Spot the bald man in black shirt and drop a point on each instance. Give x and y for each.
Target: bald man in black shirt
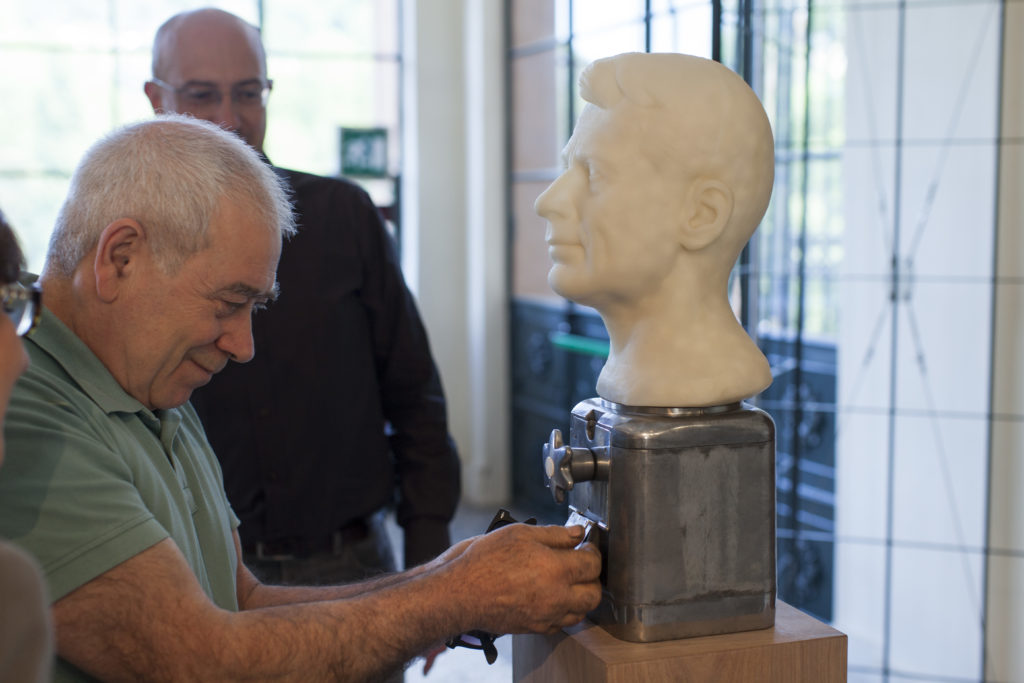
(341, 414)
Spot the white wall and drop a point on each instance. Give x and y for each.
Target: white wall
(454, 252)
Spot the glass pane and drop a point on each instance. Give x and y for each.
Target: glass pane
(347, 27)
(952, 71)
(136, 22)
(563, 20)
(597, 15)
(594, 46)
(31, 204)
(591, 46)
(312, 99)
(80, 25)
(130, 102)
(64, 102)
(826, 122)
(684, 27)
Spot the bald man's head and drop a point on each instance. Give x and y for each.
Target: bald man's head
(212, 65)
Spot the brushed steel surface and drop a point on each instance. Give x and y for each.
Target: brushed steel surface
(684, 501)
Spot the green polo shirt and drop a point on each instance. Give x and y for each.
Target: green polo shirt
(91, 477)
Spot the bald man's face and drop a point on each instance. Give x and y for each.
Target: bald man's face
(214, 69)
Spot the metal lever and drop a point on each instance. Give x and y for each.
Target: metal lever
(566, 465)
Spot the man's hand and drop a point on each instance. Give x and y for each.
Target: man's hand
(521, 579)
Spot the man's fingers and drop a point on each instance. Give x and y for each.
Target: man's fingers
(584, 565)
(555, 536)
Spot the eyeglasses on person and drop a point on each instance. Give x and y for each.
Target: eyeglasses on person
(23, 305)
(200, 96)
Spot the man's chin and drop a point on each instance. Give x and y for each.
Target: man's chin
(171, 402)
(180, 397)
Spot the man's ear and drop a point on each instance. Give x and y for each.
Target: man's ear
(156, 96)
(709, 210)
(118, 251)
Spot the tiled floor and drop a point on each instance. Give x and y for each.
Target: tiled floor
(462, 665)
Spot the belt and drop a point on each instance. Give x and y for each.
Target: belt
(283, 549)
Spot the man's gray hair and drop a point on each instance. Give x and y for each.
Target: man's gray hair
(170, 174)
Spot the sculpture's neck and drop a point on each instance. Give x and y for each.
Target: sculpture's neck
(699, 356)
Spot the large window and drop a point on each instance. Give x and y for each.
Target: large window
(74, 69)
(870, 285)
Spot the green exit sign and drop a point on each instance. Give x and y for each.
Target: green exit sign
(364, 152)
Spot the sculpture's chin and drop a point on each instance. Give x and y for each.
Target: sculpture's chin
(564, 283)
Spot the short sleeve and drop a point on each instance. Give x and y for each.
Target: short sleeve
(67, 493)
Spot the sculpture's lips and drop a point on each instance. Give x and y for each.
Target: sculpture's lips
(559, 251)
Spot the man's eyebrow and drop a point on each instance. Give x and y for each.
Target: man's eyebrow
(250, 292)
(211, 84)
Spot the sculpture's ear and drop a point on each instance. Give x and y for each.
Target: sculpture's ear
(709, 210)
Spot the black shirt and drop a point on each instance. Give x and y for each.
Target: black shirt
(341, 357)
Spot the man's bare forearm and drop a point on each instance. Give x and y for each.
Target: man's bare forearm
(356, 639)
(263, 595)
(107, 628)
(148, 618)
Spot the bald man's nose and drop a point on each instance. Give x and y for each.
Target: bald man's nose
(226, 115)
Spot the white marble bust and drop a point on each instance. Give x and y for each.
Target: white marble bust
(667, 174)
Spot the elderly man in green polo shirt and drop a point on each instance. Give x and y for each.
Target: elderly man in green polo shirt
(168, 241)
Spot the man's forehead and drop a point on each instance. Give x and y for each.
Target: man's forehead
(201, 50)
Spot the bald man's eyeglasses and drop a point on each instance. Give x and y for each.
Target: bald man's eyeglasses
(22, 305)
(199, 96)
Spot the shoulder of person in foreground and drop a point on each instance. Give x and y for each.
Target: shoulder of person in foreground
(26, 629)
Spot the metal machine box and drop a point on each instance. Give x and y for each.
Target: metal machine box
(682, 505)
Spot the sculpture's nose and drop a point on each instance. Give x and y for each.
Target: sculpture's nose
(554, 201)
(545, 204)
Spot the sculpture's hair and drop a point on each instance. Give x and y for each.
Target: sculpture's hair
(11, 258)
(704, 101)
(167, 29)
(170, 174)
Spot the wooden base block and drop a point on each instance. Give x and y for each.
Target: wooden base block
(798, 648)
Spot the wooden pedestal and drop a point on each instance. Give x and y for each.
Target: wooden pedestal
(798, 648)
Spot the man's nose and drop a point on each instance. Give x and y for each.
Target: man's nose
(225, 114)
(236, 339)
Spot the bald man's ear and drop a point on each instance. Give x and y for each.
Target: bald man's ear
(708, 212)
(118, 252)
(156, 96)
